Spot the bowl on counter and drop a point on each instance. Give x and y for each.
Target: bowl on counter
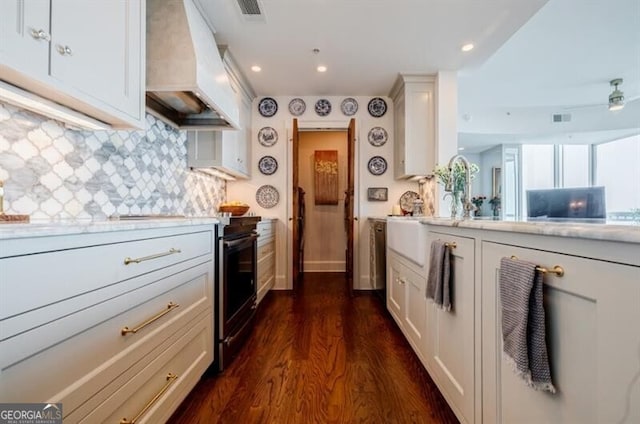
(235, 210)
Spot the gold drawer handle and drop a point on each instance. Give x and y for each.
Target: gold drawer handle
(170, 307)
(557, 269)
(171, 251)
(451, 245)
(170, 379)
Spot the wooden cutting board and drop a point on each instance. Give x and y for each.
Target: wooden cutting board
(13, 219)
(326, 177)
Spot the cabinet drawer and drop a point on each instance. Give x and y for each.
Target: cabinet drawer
(265, 229)
(186, 355)
(266, 248)
(36, 365)
(62, 282)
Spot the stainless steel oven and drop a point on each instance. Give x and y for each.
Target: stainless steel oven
(236, 286)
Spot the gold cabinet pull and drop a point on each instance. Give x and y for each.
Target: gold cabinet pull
(557, 269)
(170, 307)
(171, 251)
(451, 245)
(170, 379)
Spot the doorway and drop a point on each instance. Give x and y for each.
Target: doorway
(322, 201)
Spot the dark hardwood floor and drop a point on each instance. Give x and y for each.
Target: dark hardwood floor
(320, 357)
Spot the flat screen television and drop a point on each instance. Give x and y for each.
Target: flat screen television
(567, 203)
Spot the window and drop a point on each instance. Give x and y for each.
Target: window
(617, 168)
(537, 169)
(575, 165)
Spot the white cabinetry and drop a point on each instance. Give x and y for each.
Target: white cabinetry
(127, 324)
(88, 56)
(228, 151)
(406, 279)
(266, 257)
(592, 316)
(406, 299)
(450, 335)
(414, 125)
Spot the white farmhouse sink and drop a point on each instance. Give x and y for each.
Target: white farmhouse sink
(408, 237)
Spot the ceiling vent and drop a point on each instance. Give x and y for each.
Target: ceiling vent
(251, 9)
(561, 117)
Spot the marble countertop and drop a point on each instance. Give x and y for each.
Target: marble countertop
(629, 233)
(43, 229)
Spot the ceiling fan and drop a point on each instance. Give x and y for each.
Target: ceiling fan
(616, 101)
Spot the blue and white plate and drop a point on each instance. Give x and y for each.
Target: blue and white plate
(267, 107)
(267, 136)
(377, 107)
(267, 196)
(377, 165)
(323, 107)
(377, 136)
(349, 106)
(268, 165)
(297, 107)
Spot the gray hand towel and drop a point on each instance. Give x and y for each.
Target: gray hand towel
(438, 279)
(523, 330)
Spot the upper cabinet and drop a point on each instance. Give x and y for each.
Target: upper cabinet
(414, 125)
(85, 56)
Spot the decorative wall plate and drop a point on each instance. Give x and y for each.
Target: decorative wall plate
(349, 106)
(407, 199)
(377, 165)
(267, 196)
(267, 107)
(377, 136)
(377, 107)
(267, 136)
(268, 165)
(323, 107)
(297, 107)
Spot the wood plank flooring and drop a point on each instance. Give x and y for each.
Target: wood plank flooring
(320, 357)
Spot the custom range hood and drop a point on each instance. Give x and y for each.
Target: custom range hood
(187, 85)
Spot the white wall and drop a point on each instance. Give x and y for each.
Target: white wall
(446, 128)
(282, 122)
(489, 159)
(325, 238)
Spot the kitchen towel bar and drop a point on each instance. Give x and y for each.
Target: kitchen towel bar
(557, 269)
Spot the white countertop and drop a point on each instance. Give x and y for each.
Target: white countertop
(629, 233)
(43, 229)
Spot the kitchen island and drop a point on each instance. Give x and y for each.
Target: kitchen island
(592, 311)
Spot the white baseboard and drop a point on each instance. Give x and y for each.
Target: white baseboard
(281, 283)
(324, 266)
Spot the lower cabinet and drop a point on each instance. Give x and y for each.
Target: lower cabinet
(450, 342)
(592, 316)
(406, 299)
(266, 257)
(109, 317)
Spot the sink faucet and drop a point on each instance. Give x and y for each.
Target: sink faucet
(466, 194)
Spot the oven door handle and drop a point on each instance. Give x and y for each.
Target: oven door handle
(239, 242)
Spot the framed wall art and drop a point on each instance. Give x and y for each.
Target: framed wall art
(377, 194)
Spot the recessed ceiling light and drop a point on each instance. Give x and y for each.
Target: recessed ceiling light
(467, 47)
(256, 68)
(322, 68)
(460, 148)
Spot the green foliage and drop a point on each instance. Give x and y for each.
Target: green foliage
(444, 175)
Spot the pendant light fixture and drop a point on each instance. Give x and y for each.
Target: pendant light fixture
(616, 98)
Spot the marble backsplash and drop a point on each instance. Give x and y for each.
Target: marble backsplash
(51, 172)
